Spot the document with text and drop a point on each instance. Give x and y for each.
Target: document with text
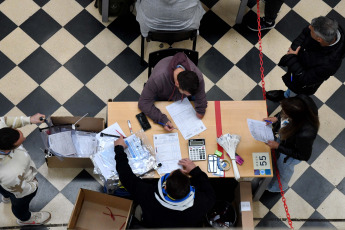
(168, 152)
(184, 116)
(260, 131)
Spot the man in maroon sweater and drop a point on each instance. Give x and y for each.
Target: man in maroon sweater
(172, 79)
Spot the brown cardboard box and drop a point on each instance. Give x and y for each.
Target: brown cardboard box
(90, 124)
(245, 213)
(89, 209)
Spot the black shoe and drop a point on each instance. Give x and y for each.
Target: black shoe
(264, 25)
(275, 95)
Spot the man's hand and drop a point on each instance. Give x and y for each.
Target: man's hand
(200, 116)
(120, 141)
(271, 119)
(291, 51)
(168, 126)
(187, 165)
(273, 144)
(35, 119)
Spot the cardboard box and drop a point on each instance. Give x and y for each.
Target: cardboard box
(89, 209)
(244, 205)
(89, 124)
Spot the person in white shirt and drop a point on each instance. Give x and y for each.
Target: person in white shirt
(18, 183)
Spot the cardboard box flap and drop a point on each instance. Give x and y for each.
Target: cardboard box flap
(90, 124)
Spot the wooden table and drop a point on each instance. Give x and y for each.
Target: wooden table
(234, 116)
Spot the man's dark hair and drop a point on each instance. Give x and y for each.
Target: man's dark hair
(188, 81)
(8, 137)
(177, 185)
(325, 28)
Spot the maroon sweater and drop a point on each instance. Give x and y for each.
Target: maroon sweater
(161, 86)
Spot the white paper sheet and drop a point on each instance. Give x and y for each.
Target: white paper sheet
(168, 152)
(260, 131)
(112, 131)
(185, 118)
(62, 143)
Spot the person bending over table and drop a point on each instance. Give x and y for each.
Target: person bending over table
(172, 79)
(297, 125)
(176, 201)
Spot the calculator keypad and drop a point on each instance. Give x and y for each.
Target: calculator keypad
(197, 153)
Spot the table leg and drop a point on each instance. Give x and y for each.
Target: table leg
(241, 10)
(261, 188)
(105, 10)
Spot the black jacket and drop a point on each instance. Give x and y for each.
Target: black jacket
(313, 65)
(154, 214)
(299, 146)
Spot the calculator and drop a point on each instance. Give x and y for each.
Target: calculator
(197, 149)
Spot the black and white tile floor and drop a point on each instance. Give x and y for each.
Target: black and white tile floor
(57, 57)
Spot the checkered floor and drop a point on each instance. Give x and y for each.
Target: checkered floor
(58, 58)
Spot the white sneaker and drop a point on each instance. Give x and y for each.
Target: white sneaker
(37, 218)
(5, 200)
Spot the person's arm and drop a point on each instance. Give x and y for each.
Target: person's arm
(17, 122)
(23, 189)
(200, 102)
(300, 39)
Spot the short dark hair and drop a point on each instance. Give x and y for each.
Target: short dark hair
(188, 81)
(8, 137)
(325, 28)
(177, 185)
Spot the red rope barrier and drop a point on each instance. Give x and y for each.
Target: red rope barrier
(264, 96)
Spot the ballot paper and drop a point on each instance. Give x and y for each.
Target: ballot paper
(62, 143)
(114, 129)
(167, 150)
(184, 116)
(260, 131)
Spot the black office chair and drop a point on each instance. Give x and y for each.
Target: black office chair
(156, 56)
(169, 37)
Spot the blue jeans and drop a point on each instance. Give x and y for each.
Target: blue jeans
(285, 171)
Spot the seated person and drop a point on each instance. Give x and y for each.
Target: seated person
(176, 201)
(168, 15)
(173, 78)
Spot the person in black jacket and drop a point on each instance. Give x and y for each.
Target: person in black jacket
(176, 201)
(297, 125)
(314, 56)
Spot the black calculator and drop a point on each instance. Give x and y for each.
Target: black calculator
(197, 149)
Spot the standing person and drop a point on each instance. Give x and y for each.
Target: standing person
(297, 125)
(172, 79)
(168, 15)
(18, 183)
(268, 22)
(314, 56)
(177, 201)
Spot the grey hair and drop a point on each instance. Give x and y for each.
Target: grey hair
(325, 28)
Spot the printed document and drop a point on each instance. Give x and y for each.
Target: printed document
(114, 129)
(167, 150)
(185, 118)
(260, 131)
(62, 143)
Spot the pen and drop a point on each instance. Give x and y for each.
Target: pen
(109, 135)
(268, 121)
(291, 77)
(130, 126)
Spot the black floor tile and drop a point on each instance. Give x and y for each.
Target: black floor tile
(126, 28)
(340, 74)
(318, 147)
(242, 29)
(339, 142)
(34, 145)
(41, 3)
(251, 3)
(312, 187)
(84, 65)
(82, 180)
(127, 65)
(291, 25)
(253, 71)
(212, 27)
(209, 3)
(84, 101)
(128, 94)
(291, 3)
(269, 199)
(84, 3)
(254, 94)
(336, 101)
(45, 193)
(216, 94)
(6, 64)
(271, 221)
(316, 220)
(7, 26)
(84, 27)
(39, 65)
(332, 3)
(39, 101)
(214, 65)
(40, 26)
(341, 186)
(317, 101)
(6, 105)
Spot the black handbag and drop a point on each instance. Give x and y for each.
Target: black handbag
(116, 7)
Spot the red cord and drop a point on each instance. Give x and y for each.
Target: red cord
(264, 95)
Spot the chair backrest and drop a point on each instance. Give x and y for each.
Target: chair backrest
(156, 56)
(172, 36)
